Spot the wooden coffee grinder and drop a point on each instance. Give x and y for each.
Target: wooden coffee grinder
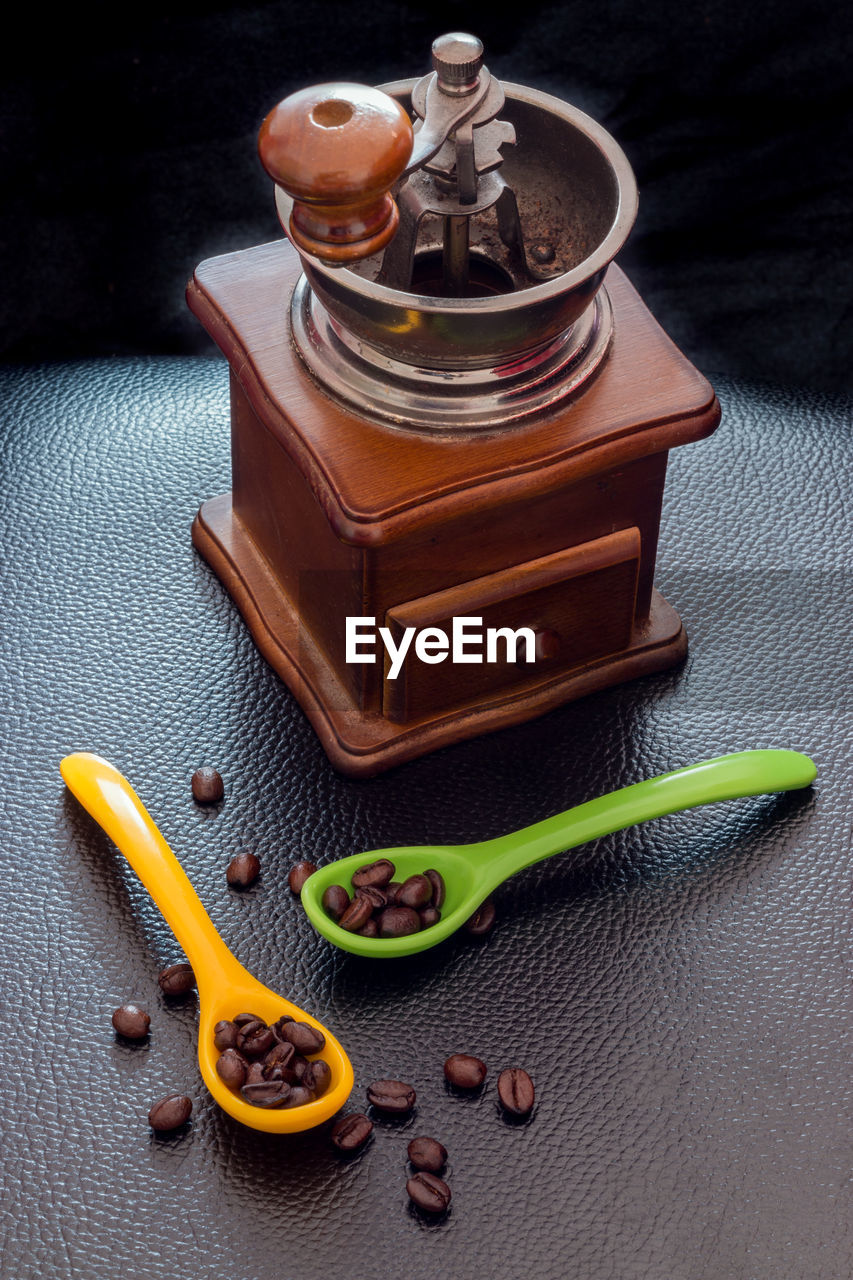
(446, 404)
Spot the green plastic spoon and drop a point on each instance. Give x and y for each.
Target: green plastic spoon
(472, 871)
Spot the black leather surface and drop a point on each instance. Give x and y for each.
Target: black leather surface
(679, 992)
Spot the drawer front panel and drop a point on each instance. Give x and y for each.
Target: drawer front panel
(579, 603)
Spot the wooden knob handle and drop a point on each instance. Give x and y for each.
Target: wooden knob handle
(336, 149)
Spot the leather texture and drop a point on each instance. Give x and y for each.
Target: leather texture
(679, 992)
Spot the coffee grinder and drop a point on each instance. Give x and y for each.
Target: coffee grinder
(447, 402)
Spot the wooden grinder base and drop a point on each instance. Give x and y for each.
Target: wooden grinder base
(552, 524)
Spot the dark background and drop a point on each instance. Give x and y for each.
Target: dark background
(129, 155)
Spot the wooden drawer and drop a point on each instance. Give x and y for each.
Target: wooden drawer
(579, 603)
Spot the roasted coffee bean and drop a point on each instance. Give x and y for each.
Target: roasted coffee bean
(299, 1065)
(243, 870)
(350, 1133)
(377, 898)
(280, 1055)
(397, 909)
(414, 892)
(207, 786)
(335, 901)
(464, 1072)
(304, 1037)
(515, 1090)
(268, 1063)
(378, 873)
(356, 915)
(177, 979)
(277, 1028)
(439, 889)
(232, 1068)
(225, 1035)
(483, 919)
(170, 1112)
(299, 874)
(242, 1018)
(398, 922)
(318, 1076)
(298, 1096)
(266, 1093)
(131, 1022)
(429, 1192)
(254, 1039)
(394, 1097)
(426, 1153)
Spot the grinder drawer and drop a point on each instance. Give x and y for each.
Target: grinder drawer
(579, 603)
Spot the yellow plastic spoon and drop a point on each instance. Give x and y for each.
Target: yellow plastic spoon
(225, 988)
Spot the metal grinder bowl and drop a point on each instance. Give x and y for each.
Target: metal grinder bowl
(447, 363)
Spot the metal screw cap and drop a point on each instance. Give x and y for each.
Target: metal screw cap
(457, 58)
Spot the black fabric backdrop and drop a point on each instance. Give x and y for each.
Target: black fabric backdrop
(129, 155)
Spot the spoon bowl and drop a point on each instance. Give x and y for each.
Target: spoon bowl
(472, 871)
(225, 988)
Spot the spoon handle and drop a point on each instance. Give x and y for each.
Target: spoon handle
(744, 773)
(109, 798)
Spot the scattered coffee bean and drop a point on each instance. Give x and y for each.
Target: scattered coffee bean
(207, 786)
(241, 1019)
(393, 1097)
(335, 901)
(225, 1035)
(376, 873)
(177, 979)
(298, 875)
(515, 1091)
(483, 919)
(232, 1068)
(131, 1022)
(464, 1072)
(415, 892)
(243, 870)
(426, 1153)
(398, 922)
(429, 1192)
(357, 914)
(170, 1113)
(439, 889)
(350, 1133)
